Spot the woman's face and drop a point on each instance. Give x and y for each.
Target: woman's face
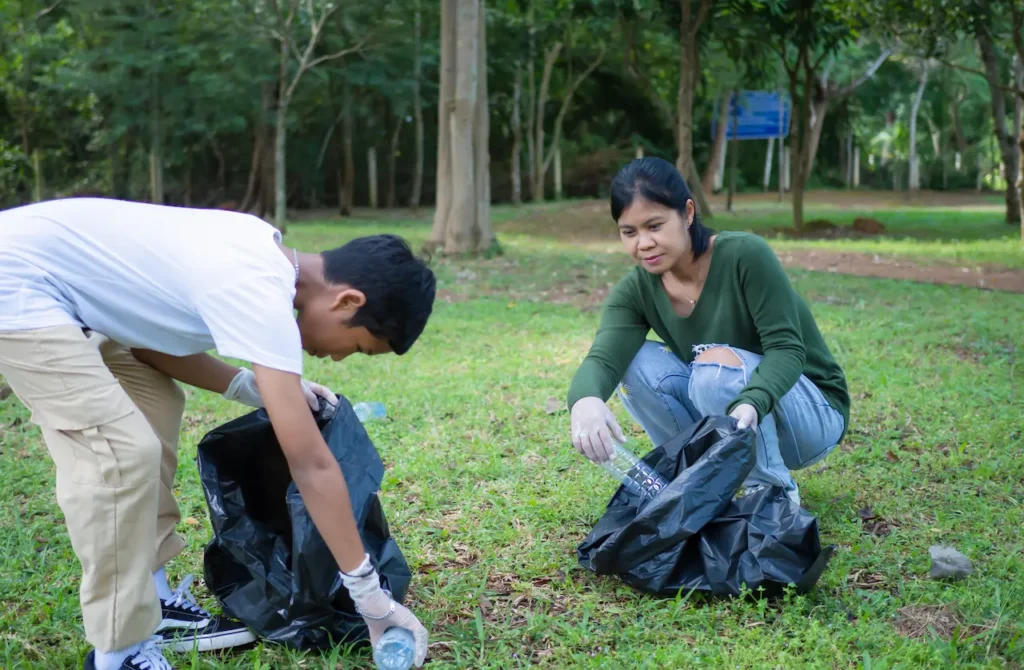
(657, 237)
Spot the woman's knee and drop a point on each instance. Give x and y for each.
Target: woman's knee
(717, 375)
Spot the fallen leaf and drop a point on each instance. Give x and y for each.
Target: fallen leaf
(192, 521)
(892, 457)
(866, 514)
(485, 606)
(553, 405)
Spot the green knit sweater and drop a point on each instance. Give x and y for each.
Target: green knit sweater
(747, 303)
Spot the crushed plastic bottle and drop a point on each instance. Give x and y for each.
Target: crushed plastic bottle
(634, 473)
(368, 411)
(395, 650)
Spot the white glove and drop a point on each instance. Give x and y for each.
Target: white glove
(379, 610)
(243, 389)
(593, 426)
(746, 416)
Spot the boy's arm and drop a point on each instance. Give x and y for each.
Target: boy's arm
(315, 472)
(199, 370)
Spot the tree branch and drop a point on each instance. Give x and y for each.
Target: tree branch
(633, 69)
(566, 101)
(338, 54)
(872, 69)
(981, 73)
(47, 10)
(702, 14)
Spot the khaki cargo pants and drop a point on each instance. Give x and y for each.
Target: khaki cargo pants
(111, 426)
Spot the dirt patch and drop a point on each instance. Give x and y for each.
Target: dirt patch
(919, 622)
(896, 267)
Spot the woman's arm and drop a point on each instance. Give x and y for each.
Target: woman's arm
(774, 306)
(199, 370)
(622, 332)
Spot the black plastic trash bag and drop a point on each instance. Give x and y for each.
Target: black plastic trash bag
(693, 535)
(267, 564)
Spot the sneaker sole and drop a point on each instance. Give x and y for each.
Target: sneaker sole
(225, 640)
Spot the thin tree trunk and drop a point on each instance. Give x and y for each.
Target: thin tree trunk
(550, 57)
(915, 169)
(517, 137)
(156, 155)
(818, 112)
(393, 162)
(558, 173)
(417, 114)
(689, 26)
(1018, 123)
(37, 177)
(718, 145)
(484, 233)
(856, 167)
(801, 132)
(768, 164)
(1007, 147)
(348, 190)
(371, 171)
(254, 166)
(280, 142)
(733, 160)
(462, 219)
(446, 95)
(531, 102)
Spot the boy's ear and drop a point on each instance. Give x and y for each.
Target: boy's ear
(348, 299)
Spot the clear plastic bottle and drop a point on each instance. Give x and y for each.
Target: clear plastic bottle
(395, 650)
(368, 411)
(632, 471)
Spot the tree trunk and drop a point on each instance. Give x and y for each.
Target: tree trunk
(915, 169)
(818, 111)
(484, 234)
(856, 167)
(1007, 146)
(393, 162)
(517, 137)
(371, 171)
(688, 77)
(461, 222)
(346, 195)
(766, 182)
(733, 159)
(531, 102)
(280, 141)
(718, 145)
(417, 113)
(1018, 122)
(156, 155)
(800, 156)
(254, 166)
(446, 94)
(550, 57)
(37, 177)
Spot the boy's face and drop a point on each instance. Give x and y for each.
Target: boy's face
(323, 324)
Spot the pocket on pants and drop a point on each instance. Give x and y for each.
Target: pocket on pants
(78, 425)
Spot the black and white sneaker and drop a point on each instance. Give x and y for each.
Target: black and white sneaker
(186, 626)
(147, 658)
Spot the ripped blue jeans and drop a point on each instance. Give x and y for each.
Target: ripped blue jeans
(666, 396)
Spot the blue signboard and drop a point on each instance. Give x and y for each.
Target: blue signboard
(757, 115)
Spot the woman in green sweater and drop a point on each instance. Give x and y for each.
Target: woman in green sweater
(736, 338)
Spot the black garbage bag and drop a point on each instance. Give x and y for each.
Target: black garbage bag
(694, 535)
(267, 564)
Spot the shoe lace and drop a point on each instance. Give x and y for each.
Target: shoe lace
(150, 657)
(182, 597)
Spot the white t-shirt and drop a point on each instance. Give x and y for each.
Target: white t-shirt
(175, 280)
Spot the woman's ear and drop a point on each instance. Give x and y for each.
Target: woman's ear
(690, 212)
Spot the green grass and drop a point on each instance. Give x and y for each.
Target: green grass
(488, 500)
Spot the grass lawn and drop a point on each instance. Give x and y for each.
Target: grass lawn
(488, 500)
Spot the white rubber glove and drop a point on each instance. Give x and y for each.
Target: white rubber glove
(379, 610)
(593, 427)
(243, 389)
(746, 416)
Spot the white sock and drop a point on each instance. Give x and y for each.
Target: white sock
(112, 660)
(163, 589)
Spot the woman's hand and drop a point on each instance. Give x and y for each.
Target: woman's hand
(593, 426)
(746, 416)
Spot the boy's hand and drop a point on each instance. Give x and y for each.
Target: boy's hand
(379, 610)
(243, 389)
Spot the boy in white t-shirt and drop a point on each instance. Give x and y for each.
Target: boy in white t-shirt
(104, 306)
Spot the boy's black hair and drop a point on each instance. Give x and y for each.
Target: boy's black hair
(656, 180)
(399, 287)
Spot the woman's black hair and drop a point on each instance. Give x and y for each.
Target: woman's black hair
(657, 180)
